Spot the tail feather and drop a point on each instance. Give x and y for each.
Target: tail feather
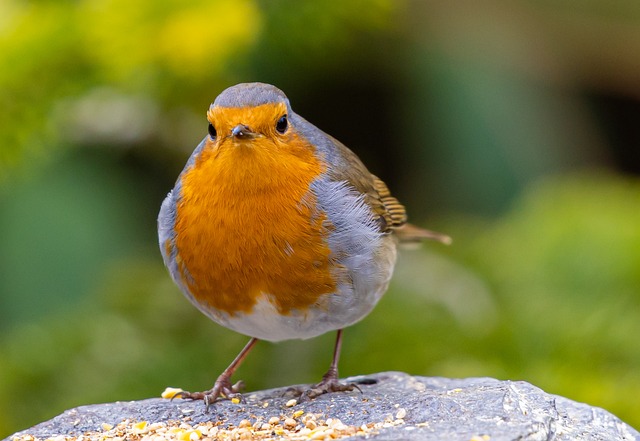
(409, 233)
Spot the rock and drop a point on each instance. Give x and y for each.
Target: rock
(390, 406)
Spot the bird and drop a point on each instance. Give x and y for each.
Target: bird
(276, 230)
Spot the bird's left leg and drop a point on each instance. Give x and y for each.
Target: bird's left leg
(330, 382)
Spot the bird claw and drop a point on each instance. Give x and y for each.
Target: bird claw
(329, 383)
(222, 388)
(327, 386)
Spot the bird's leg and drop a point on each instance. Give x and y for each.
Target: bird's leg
(330, 381)
(222, 386)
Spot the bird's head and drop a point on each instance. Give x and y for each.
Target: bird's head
(250, 115)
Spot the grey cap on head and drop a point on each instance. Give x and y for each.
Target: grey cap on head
(249, 95)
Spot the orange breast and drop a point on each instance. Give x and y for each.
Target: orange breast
(246, 224)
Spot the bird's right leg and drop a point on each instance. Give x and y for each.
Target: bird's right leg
(222, 386)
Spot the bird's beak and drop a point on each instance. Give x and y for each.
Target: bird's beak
(243, 132)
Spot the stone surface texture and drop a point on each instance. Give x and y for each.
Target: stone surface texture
(402, 407)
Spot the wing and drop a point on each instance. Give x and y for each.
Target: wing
(391, 214)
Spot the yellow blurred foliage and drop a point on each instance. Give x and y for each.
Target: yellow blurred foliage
(193, 39)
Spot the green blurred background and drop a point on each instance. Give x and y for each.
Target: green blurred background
(514, 126)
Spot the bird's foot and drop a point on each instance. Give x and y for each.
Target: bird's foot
(327, 386)
(329, 383)
(222, 388)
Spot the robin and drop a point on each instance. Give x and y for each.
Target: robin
(277, 230)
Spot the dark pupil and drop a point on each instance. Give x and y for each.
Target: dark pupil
(281, 125)
(212, 131)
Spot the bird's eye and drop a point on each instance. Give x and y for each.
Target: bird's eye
(282, 124)
(212, 131)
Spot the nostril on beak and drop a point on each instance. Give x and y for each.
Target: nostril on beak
(241, 131)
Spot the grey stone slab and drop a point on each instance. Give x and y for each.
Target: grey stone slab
(436, 409)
